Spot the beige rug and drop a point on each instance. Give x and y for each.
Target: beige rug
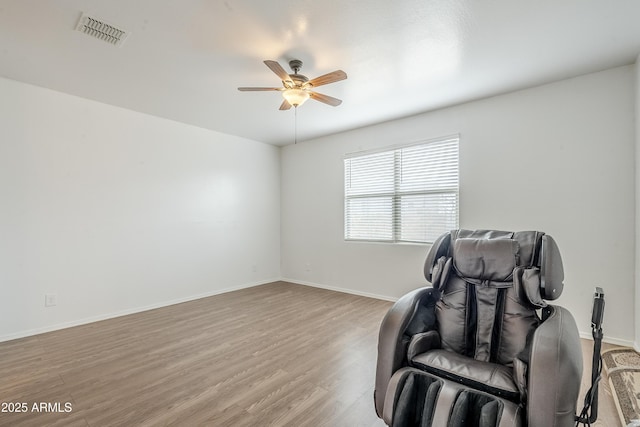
(623, 367)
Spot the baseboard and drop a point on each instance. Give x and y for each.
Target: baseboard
(86, 320)
(610, 340)
(338, 289)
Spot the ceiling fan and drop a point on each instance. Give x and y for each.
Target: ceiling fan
(296, 88)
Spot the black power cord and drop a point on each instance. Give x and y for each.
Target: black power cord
(589, 413)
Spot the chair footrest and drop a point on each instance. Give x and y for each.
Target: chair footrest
(415, 398)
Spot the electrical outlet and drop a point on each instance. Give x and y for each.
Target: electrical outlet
(307, 266)
(50, 300)
(254, 268)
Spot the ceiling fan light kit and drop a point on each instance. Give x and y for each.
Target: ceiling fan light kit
(295, 97)
(296, 88)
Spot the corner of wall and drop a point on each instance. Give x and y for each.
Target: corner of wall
(637, 204)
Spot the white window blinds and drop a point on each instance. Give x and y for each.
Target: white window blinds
(409, 194)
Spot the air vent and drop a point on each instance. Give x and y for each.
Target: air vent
(101, 30)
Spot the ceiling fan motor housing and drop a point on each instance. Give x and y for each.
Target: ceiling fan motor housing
(298, 79)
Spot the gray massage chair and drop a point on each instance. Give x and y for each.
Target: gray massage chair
(480, 346)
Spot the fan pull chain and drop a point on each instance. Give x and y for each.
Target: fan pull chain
(295, 125)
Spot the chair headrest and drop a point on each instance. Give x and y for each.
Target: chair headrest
(485, 259)
(493, 255)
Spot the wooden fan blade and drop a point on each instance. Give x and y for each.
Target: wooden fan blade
(277, 68)
(335, 76)
(248, 89)
(334, 102)
(285, 105)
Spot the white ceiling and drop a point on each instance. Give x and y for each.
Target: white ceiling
(184, 59)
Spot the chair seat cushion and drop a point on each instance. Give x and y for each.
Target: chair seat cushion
(484, 376)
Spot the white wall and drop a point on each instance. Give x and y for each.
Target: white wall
(557, 158)
(115, 211)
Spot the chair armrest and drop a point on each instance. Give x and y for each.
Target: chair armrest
(555, 370)
(402, 320)
(423, 342)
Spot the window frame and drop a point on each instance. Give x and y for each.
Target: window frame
(397, 194)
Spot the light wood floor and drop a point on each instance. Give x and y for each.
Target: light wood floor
(278, 354)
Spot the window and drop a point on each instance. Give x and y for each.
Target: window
(408, 194)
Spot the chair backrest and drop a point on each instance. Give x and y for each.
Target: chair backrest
(491, 284)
